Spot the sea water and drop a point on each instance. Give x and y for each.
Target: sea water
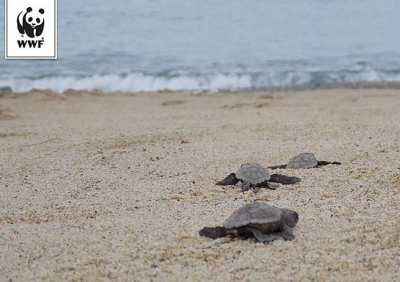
(147, 45)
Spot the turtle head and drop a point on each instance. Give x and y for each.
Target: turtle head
(290, 217)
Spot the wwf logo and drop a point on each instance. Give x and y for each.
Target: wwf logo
(31, 22)
(30, 29)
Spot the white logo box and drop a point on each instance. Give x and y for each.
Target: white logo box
(30, 29)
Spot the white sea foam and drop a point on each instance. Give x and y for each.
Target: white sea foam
(141, 82)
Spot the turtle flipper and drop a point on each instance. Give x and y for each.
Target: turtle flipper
(229, 180)
(261, 237)
(322, 163)
(245, 186)
(213, 232)
(267, 184)
(283, 179)
(287, 233)
(277, 166)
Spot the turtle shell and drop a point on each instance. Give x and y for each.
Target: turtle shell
(304, 160)
(252, 173)
(260, 215)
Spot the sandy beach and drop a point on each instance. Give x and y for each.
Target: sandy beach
(98, 186)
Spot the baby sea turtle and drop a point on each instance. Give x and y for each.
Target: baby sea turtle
(255, 175)
(304, 160)
(260, 220)
(252, 174)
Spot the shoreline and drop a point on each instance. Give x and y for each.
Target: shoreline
(5, 90)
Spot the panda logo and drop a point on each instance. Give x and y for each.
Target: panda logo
(31, 22)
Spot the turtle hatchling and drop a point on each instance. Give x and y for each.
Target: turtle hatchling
(255, 175)
(303, 161)
(260, 220)
(251, 175)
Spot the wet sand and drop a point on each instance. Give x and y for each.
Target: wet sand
(98, 186)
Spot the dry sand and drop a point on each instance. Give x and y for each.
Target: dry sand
(117, 186)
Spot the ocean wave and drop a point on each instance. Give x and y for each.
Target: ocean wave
(137, 82)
